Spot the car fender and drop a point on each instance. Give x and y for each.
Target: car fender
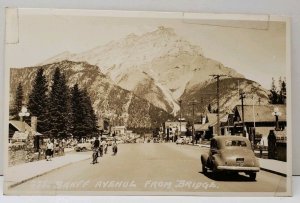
(217, 160)
(204, 158)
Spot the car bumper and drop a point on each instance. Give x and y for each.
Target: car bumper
(238, 168)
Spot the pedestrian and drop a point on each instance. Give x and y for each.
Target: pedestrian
(61, 148)
(49, 150)
(115, 148)
(104, 145)
(96, 150)
(271, 145)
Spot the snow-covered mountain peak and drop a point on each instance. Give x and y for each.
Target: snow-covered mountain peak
(174, 64)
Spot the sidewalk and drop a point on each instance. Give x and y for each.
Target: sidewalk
(273, 166)
(270, 165)
(21, 173)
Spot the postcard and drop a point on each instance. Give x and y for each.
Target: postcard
(147, 103)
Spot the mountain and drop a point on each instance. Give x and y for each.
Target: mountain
(158, 66)
(229, 96)
(108, 99)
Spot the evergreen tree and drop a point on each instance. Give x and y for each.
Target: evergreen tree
(188, 132)
(58, 105)
(77, 110)
(282, 93)
(273, 96)
(38, 101)
(84, 118)
(18, 102)
(91, 120)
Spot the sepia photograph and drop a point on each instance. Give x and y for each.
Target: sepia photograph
(147, 103)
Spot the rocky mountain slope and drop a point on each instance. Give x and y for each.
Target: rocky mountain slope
(158, 66)
(229, 96)
(109, 100)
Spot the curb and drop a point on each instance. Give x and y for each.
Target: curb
(41, 174)
(204, 146)
(274, 172)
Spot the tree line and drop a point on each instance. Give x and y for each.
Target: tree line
(278, 93)
(61, 111)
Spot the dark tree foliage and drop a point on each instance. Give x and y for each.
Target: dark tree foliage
(91, 121)
(277, 96)
(58, 105)
(188, 132)
(83, 116)
(273, 96)
(38, 101)
(282, 93)
(18, 102)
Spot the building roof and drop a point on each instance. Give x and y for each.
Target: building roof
(263, 113)
(201, 127)
(19, 126)
(226, 120)
(211, 120)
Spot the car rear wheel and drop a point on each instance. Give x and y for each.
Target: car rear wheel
(204, 169)
(252, 176)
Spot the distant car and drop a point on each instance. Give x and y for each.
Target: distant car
(230, 153)
(180, 141)
(109, 141)
(83, 146)
(155, 140)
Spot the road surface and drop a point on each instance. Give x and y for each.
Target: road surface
(151, 167)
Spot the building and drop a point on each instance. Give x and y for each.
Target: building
(118, 130)
(19, 131)
(173, 128)
(227, 124)
(260, 119)
(209, 126)
(103, 125)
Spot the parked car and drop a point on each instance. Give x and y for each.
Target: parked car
(84, 146)
(230, 153)
(180, 141)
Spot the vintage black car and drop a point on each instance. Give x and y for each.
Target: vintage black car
(230, 153)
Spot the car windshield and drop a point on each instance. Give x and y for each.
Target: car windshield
(235, 143)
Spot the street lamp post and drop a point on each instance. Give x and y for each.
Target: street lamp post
(276, 113)
(180, 102)
(23, 113)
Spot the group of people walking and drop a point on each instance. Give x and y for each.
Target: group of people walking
(101, 147)
(53, 146)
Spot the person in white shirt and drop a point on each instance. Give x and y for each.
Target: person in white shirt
(49, 150)
(104, 145)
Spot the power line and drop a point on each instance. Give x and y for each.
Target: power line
(217, 77)
(242, 97)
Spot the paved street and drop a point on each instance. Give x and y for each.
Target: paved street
(153, 167)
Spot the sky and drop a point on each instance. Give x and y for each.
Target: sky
(255, 49)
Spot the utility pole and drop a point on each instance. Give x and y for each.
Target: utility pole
(180, 101)
(193, 103)
(242, 97)
(217, 77)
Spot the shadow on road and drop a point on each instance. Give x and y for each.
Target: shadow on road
(227, 176)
